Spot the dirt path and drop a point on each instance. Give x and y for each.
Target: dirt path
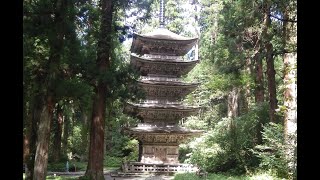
(107, 176)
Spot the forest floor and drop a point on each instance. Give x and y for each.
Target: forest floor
(108, 176)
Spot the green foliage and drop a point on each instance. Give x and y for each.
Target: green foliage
(61, 166)
(121, 144)
(272, 151)
(132, 147)
(61, 178)
(111, 161)
(184, 153)
(84, 178)
(256, 176)
(223, 150)
(75, 141)
(225, 82)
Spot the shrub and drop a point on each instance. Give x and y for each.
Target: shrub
(272, 151)
(73, 166)
(110, 161)
(226, 149)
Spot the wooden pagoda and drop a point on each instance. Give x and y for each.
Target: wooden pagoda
(158, 56)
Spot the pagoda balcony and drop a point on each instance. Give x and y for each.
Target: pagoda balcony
(137, 167)
(162, 57)
(165, 134)
(171, 90)
(159, 101)
(153, 137)
(151, 112)
(174, 68)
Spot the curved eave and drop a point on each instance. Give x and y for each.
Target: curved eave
(164, 33)
(174, 62)
(167, 84)
(162, 67)
(164, 130)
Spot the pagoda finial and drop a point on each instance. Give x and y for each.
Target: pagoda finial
(161, 16)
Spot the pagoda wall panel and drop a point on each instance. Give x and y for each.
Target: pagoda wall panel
(166, 92)
(168, 68)
(159, 154)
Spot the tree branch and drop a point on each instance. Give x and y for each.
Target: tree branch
(281, 52)
(29, 13)
(287, 20)
(218, 100)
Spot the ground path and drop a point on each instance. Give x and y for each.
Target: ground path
(107, 176)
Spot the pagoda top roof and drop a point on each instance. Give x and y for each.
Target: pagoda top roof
(162, 42)
(164, 34)
(164, 129)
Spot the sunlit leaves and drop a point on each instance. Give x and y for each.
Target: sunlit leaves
(272, 152)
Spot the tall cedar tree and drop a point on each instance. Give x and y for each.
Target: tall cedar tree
(96, 149)
(48, 99)
(290, 92)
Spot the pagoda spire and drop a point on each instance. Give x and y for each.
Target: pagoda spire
(161, 15)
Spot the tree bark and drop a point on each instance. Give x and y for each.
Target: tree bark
(273, 102)
(48, 99)
(41, 158)
(259, 90)
(233, 112)
(271, 73)
(257, 57)
(290, 115)
(290, 98)
(84, 135)
(26, 150)
(32, 136)
(243, 101)
(233, 103)
(249, 69)
(66, 129)
(58, 135)
(96, 150)
(27, 120)
(290, 94)
(108, 132)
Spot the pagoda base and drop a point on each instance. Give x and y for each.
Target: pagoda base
(136, 167)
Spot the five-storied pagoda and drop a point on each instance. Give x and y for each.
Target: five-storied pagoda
(158, 56)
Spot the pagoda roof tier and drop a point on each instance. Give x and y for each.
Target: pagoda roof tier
(162, 135)
(173, 68)
(160, 112)
(160, 57)
(162, 80)
(162, 41)
(171, 90)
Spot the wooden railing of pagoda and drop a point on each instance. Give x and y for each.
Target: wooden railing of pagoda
(144, 167)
